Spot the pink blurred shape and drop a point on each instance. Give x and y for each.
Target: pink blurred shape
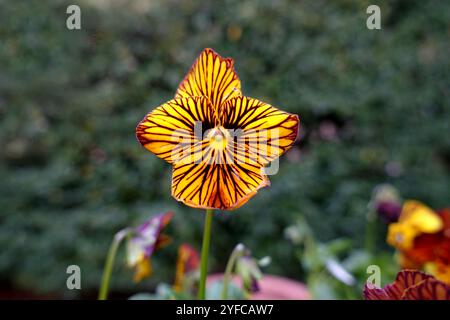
(272, 288)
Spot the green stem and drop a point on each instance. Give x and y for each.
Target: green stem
(205, 252)
(237, 251)
(103, 294)
(371, 230)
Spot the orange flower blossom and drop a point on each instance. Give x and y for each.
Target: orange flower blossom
(422, 237)
(217, 140)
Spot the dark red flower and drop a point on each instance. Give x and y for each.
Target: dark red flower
(389, 211)
(409, 285)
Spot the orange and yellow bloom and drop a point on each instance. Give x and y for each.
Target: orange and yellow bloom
(422, 237)
(217, 140)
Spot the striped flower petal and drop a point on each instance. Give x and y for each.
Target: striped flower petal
(211, 76)
(410, 285)
(169, 131)
(429, 289)
(217, 140)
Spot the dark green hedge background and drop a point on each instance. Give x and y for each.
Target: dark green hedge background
(374, 108)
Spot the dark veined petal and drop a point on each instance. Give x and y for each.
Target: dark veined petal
(169, 130)
(395, 291)
(226, 175)
(216, 186)
(429, 289)
(211, 76)
(262, 132)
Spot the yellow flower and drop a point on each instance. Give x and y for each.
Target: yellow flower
(217, 140)
(415, 219)
(421, 217)
(401, 236)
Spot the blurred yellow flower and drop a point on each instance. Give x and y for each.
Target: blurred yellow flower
(422, 237)
(401, 236)
(415, 219)
(420, 216)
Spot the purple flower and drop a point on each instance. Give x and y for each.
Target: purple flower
(389, 211)
(386, 202)
(145, 239)
(248, 269)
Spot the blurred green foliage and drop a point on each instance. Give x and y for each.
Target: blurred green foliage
(374, 107)
(338, 269)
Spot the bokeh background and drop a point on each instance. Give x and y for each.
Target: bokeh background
(373, 104)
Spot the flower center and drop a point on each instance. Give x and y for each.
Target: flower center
(218, 138)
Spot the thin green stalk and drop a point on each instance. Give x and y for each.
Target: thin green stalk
(205, 252)
(103, 293)
(238, 250)
(371, 232)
